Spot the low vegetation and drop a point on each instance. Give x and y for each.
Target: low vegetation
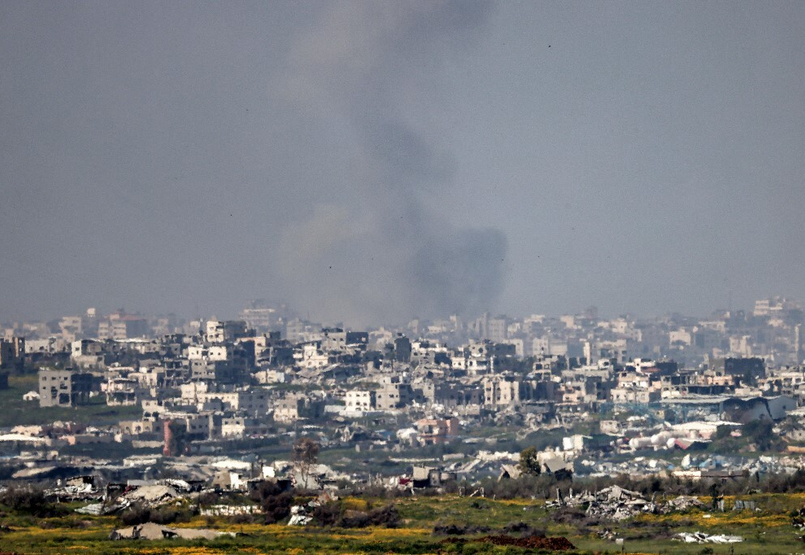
(429, 524)
(17, 412)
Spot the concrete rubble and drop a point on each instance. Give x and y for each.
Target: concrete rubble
(744, 505)
(616, 503)
(152, 531)
(230, 510)
(299, 513)
(701, 537)
(682, 503)
(299, 516)
(150, 496)
(79, 488)
(95, 509)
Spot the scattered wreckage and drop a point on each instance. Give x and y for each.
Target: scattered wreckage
(299, 516)
(152, 531)
(701, 537)
(78, 488)
(152, 495)
(299, 513)
(230, 510)
(617, 503)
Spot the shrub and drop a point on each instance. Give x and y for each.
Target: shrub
(28, 500)
(328, 514)
(387, 516)
(138, 514)
(523, 529)
(167, 515)
(275, 501)
(209, 498)
(244, 519)
(334, 514)
(134, 515)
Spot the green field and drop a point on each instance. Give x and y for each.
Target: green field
(15, 411)
(767, 530)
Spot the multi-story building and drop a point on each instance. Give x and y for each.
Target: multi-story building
(63, 388)
(360, 401)
(12, 352)
(221, 332)
(393, 394)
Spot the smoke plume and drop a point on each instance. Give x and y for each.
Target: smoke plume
(375, 251)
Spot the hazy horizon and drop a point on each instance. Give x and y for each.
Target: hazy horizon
(377, 161)
(312, 317)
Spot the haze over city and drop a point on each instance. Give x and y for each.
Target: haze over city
(373, 162)
(412, 276)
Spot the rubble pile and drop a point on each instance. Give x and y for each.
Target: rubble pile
(741, 505)
(616, 503)
(95, 509)
(80, 488)
(798, 520)
(299, 513)
(152, 531)
(148, 496)
(612, 503)
(607, 534)
(299, 516)
(701, 537)
(682, 503)
(230, 510)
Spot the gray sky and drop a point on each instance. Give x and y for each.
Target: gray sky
(369, 161)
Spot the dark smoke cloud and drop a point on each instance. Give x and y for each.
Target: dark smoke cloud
(381, 254)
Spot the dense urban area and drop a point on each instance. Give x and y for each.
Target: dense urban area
(270, 419)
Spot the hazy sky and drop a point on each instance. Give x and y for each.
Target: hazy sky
(369, 161)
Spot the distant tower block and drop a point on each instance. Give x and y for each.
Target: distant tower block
(167, 434)
(588, 352)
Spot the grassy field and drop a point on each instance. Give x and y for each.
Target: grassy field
(766, 531)
(15, 411)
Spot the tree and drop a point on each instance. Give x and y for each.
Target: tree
(529, 464)
(761, 433)
(26, 499)
(305, 455)
(275, 501)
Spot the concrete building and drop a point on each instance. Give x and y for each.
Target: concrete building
(63, 388)
(238, 427)
(12, 352)
(502, 391)
(123, 326)
(360, 401)
(296, 406)
(433, 430)
(121, 391)
(497, 329)
(221, 332)
(393, 395)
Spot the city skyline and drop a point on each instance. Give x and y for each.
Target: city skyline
(289, 313)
